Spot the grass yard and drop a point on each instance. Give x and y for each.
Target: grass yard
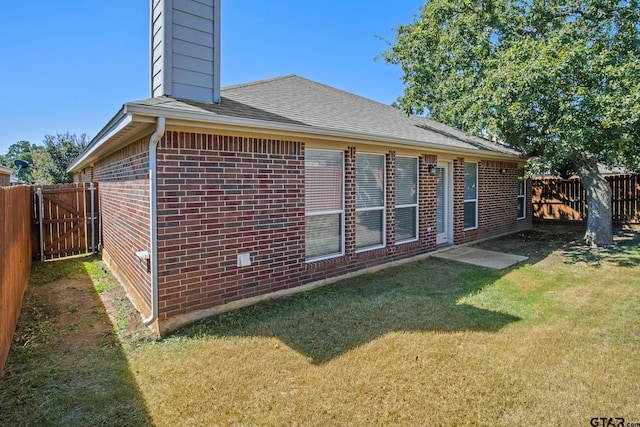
(555, 341)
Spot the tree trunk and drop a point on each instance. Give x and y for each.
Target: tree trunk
(599, 228)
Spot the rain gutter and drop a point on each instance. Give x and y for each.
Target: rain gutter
(153, 201)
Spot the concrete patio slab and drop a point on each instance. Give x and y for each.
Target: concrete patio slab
(480, 257)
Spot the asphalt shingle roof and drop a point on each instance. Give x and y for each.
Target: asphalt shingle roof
(298, 101)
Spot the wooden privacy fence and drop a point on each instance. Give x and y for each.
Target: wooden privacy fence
(15, 260)
(65, 220)
(564, 199)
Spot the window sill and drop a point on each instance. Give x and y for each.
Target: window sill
(403, 242)
(325, 258)
(369, 249)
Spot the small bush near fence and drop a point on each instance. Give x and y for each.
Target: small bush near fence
(15, 260)
(564, 199)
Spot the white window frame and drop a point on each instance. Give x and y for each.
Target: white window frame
(472, 200)
(330, 212)
(522, 185)
(382, 208)
(414, 205)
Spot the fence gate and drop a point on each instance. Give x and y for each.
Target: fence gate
(65, 219)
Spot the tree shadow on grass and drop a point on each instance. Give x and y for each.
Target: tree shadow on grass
(325, 323)
(423, 296)
(66, 365)
(625, 252)
(539, 243)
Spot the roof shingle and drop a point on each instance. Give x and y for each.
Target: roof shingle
(298, 101)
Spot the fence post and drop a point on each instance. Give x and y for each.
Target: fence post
(40, 222)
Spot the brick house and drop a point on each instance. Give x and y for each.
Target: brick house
(212, 199)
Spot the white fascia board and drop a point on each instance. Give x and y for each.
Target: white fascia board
(209, 120)
(6, 170)
(105, 134)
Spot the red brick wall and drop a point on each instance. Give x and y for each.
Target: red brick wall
(85, 175)
(427, 201)
(127, 164)
(124, 207)
(497, 201)
(349, 207)
(459, 236)
(218, 197)
(390, 181)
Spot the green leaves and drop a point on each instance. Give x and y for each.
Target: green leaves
(21, 150)
(47, 164)
(59, 152)
(556, 79)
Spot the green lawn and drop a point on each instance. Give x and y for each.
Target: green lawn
(555, 341)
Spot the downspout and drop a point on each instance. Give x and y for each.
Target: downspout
(153, 215)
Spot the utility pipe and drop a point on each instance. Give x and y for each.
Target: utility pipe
(153, 202)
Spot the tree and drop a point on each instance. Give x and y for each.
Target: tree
(51, 162)
(560, 80)
(21, 150)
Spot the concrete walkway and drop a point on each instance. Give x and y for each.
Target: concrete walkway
(480, 257)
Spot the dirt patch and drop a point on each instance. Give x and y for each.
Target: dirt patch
(67, 364)
(84, 320)
(77, 314)
(125, 319)
(80, 318)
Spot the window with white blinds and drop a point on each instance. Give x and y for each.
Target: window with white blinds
(470, 195)
(406, 191)
(324, 204)
(522, 196)
(370, 201)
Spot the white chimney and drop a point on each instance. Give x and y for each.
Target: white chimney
(185, 49)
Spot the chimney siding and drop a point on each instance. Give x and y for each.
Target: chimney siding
(185, 49)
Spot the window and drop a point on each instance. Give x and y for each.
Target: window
(324, 204)
(470, 195)
(522, 196)
(406, 199)
(370, 201)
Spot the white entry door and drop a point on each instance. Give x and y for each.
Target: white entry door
(443, 214)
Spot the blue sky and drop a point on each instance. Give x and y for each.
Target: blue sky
(70, 65)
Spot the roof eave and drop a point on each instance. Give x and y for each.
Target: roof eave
(105, 133)
(203, 119)
(133, 118)
(122, 126)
